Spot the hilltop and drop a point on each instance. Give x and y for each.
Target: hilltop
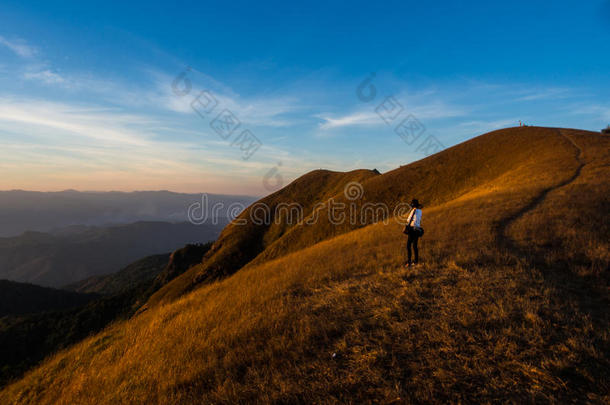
(510, 303)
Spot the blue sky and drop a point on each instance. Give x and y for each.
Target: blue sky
(87, 102)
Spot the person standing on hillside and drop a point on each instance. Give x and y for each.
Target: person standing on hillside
(414, 231)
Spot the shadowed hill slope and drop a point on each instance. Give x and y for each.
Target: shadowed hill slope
(21, 298)
(509, 306)
(27, 339)
(142, 270)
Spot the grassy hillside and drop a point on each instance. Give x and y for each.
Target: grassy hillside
(509, 305)
(521, 158)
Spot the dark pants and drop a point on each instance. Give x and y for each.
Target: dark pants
(412, 240)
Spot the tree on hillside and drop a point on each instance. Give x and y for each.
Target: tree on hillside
(606, 130)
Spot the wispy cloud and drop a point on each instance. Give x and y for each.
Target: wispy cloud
(359, 118)
(480, 126)
(153, 91)
(424, 106)
(74, 121)
(270, 111)
(598, 110)
(45, 76)
(19, 47)
(542, 94)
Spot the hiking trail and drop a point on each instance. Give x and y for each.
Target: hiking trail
(503, 238)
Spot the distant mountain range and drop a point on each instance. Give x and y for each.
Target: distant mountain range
(76, 253)
(22, 211)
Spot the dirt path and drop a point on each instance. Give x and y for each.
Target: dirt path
(504, 240)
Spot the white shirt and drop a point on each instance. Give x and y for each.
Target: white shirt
(415, 218)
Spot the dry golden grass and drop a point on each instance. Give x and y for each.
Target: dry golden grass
(554, 229)
(499, 312)
(509, 160)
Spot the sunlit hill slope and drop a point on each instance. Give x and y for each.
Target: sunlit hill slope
(510, 303)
